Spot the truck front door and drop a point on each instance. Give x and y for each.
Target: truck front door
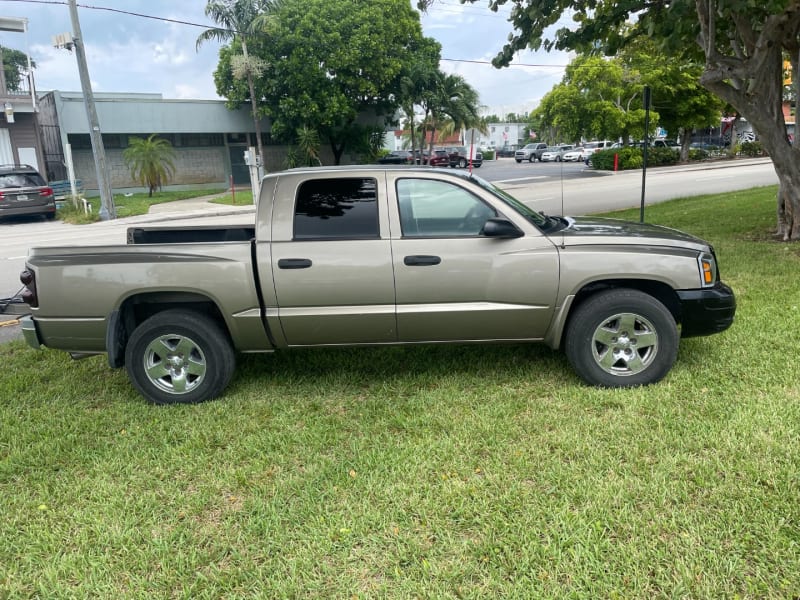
(455, 284)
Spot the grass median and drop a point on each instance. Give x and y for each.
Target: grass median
(430, 472)
(128, 205)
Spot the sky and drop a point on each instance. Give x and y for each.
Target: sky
(127, 53)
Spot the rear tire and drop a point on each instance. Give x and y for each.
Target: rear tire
(462, 162)
(532, 158)
(179, 356)
(621, 338)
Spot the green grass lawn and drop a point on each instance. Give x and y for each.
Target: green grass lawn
(430, 472)
(128, 206)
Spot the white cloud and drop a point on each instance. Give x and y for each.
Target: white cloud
(132, 54)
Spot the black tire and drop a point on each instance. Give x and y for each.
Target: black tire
(532, 158)
(462, 162)
(179, 356)
(621, 338)
(519, 160)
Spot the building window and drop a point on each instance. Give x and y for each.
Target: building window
(200, 139)
(238, 138)
(337, 209)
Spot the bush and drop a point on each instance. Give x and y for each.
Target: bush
(697, 154)
(751, 148)
(631, 158)
(659, 157)
(488, 155)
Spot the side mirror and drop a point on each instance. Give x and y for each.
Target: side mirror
(501, 228)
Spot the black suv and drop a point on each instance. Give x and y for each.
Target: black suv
(24, 192)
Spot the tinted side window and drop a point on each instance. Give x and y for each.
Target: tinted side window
(336, 209)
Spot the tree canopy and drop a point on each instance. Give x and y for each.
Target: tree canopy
(603, 97)
(15, 65)
(328, 65)
(740, 43)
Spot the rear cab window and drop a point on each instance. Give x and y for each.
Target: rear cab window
(337, 208)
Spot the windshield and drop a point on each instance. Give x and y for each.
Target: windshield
(17, 180)
(544, 222)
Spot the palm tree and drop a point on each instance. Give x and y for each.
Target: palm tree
(151, 161)
(238, 20)
(453, 97)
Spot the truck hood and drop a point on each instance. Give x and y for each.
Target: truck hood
(598, 230)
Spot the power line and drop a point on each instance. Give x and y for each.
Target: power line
(124, 12)
(208, 26)
(488, 62)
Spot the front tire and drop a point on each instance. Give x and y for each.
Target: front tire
(179, 357)
(621, 338)
(462, 163)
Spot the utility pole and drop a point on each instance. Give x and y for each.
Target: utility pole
(107, 208)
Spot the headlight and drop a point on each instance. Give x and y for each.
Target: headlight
(708, 269)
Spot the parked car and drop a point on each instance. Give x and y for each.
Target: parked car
(460, 156)
(590, 148)
(555, 153)
(506, 152)
(440, 158)
(530, 152)
(575, 155)
(24, 192)
(398, 157)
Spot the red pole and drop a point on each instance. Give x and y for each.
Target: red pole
(233, 190)
(616, 162)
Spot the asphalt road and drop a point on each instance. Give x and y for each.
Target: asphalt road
(553, 188)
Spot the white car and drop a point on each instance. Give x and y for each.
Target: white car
(575, 155)
(555, 153)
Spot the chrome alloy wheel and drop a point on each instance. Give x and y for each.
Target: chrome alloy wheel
(174, 363)
(624, 344)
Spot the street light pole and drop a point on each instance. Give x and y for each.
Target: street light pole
(107, 208)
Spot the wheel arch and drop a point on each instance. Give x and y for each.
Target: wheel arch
(657, 289)
(137, 308)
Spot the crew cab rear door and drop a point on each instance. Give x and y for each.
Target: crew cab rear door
(331, 259)
(452, 283)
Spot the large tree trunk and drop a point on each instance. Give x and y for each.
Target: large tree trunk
(685, 135)
(752, 82)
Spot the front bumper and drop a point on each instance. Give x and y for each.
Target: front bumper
(706, 311)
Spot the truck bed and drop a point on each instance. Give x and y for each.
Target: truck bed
(190, 235)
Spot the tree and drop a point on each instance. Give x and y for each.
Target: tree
(598, 98)
(416, 81)
(741, 44)
(681, 103)
(451, 97)
(15, 66)
(151, 161)
(339, 69)
(240, 20)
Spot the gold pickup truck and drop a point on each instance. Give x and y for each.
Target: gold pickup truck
(370, 256)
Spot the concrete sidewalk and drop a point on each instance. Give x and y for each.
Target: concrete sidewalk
(202, 206)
